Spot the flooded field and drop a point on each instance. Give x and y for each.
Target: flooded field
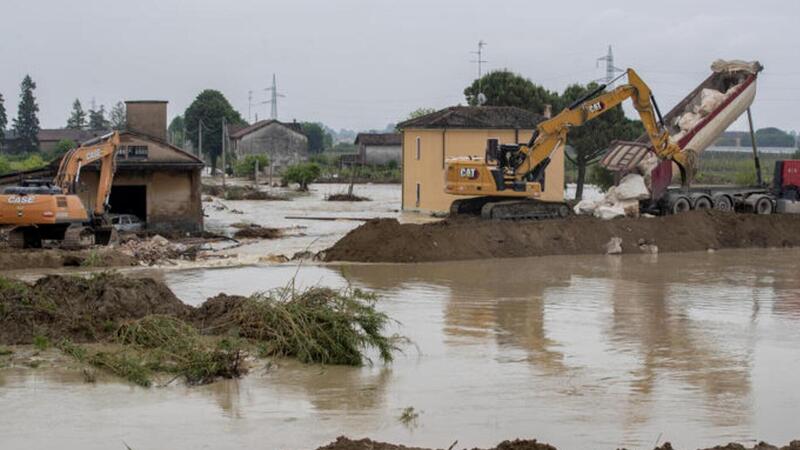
(582, 352)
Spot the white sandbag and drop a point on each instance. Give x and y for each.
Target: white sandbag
(585, 206)
(736, 65)
(631, 207)
(632, 187)
(710, 99)
(688, 121)
(607, 212)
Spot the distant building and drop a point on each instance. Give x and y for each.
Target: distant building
(378, 149)
(284, 143)
(154, 180)
(463, 131)
(49, 138)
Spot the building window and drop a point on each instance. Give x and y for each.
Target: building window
(417, 193)
(419, 145)
(133, 152)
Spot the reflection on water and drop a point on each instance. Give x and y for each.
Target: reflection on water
(584, 352)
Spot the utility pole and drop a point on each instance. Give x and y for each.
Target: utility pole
(480, 62)
(611, 69)
(224, 129)
(273, 101)
(250, 106)
(755, 148)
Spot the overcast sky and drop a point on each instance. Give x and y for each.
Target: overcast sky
(363, 64)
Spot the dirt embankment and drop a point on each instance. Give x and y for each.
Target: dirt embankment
(386, 240)
(11, 259)
(343, 443)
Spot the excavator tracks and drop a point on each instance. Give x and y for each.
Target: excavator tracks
(500, 208)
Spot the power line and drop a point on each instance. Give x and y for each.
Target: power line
(611, 69)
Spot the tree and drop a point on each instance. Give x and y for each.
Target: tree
(419, 112)
(207, 111)
(774, 137)
(302, 174)
(77, 119)
(177, 131)
(246, 166)
(318, 138)
(117, 117)
(590, 140)
(62, 147)
(3, 121)
(97, 119)
(26, 125)
(505, 88)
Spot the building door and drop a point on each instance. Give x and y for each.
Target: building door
(129, 200)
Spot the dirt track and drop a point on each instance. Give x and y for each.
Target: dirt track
(386, 240)
(343, 443)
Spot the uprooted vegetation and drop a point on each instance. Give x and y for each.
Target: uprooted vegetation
(255, 231)
(144, 331)
(237, 192)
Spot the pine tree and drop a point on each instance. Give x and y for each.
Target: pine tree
(26, 125)
(77, 120)
(97, 119)
(118, 117)
(3, 121)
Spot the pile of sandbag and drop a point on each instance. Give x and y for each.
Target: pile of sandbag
(700, 107)
(620, 200)
(156, 249)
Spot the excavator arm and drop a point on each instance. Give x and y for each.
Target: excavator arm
(552, 133)
(103, 149)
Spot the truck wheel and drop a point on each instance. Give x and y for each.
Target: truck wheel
(679, 204)
(702, 202)
(763, 205)
(722, 203)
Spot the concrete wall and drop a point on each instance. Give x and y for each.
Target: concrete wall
(380, 155)
(438, 144)
(282, 145)
(173, 196)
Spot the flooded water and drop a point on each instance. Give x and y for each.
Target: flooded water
(582, 352)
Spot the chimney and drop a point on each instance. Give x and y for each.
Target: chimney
(548, 111)
(148, 117)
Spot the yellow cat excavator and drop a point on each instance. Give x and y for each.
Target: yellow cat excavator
(507, 182)
(52, 209)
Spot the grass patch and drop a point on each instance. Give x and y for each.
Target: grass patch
(5, 351)
(316, 325)
(93, 259)
(41, 343)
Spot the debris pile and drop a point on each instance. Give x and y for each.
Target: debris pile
(236, 192)
(255, 231)
(346, 197)
(157, 249)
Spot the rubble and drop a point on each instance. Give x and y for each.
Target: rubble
(157, 249)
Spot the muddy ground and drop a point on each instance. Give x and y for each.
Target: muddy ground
(386, 240)
(343, 443)
(12, 259)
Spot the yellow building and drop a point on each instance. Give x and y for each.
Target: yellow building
(462, 131)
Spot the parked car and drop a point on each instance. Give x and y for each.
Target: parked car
(127, 222)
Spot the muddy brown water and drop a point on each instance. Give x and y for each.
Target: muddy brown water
(581, 352)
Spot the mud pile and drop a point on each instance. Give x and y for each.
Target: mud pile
(233, 192)
(343, 443)
(386, 240)
(255, 231)
(80, 309)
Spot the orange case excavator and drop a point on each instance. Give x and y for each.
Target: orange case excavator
(52, 209)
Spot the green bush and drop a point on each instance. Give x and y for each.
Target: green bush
(246, 166)
(5, 166)
(601, 177)
(302, 174)
(62, 147)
